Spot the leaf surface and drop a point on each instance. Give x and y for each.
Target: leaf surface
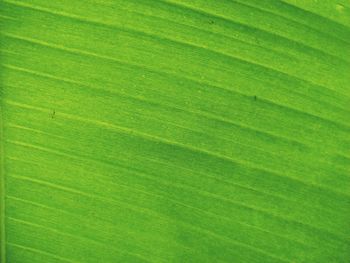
(175, 131)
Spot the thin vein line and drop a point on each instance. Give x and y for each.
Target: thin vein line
(149, 137)
(223, 17)
(138, 209)
(95, 216)
(208, 115)
(211, 214)
(60, 232)
(91, 54)
(162, 38)
(35, 250)
(159, 215)
(326, 34)
(314, 14)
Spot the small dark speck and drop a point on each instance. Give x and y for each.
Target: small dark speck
(53, 114)
(211, 22)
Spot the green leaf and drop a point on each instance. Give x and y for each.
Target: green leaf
(175, 131)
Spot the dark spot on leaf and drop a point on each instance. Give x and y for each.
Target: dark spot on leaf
(211, 22)
(53, 114)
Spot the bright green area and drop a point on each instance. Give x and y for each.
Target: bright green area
(175, 131)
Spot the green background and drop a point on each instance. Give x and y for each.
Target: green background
(175, 131)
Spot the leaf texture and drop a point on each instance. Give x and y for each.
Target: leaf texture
(175, 131)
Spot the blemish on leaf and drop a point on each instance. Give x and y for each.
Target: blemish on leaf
(53, 114)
